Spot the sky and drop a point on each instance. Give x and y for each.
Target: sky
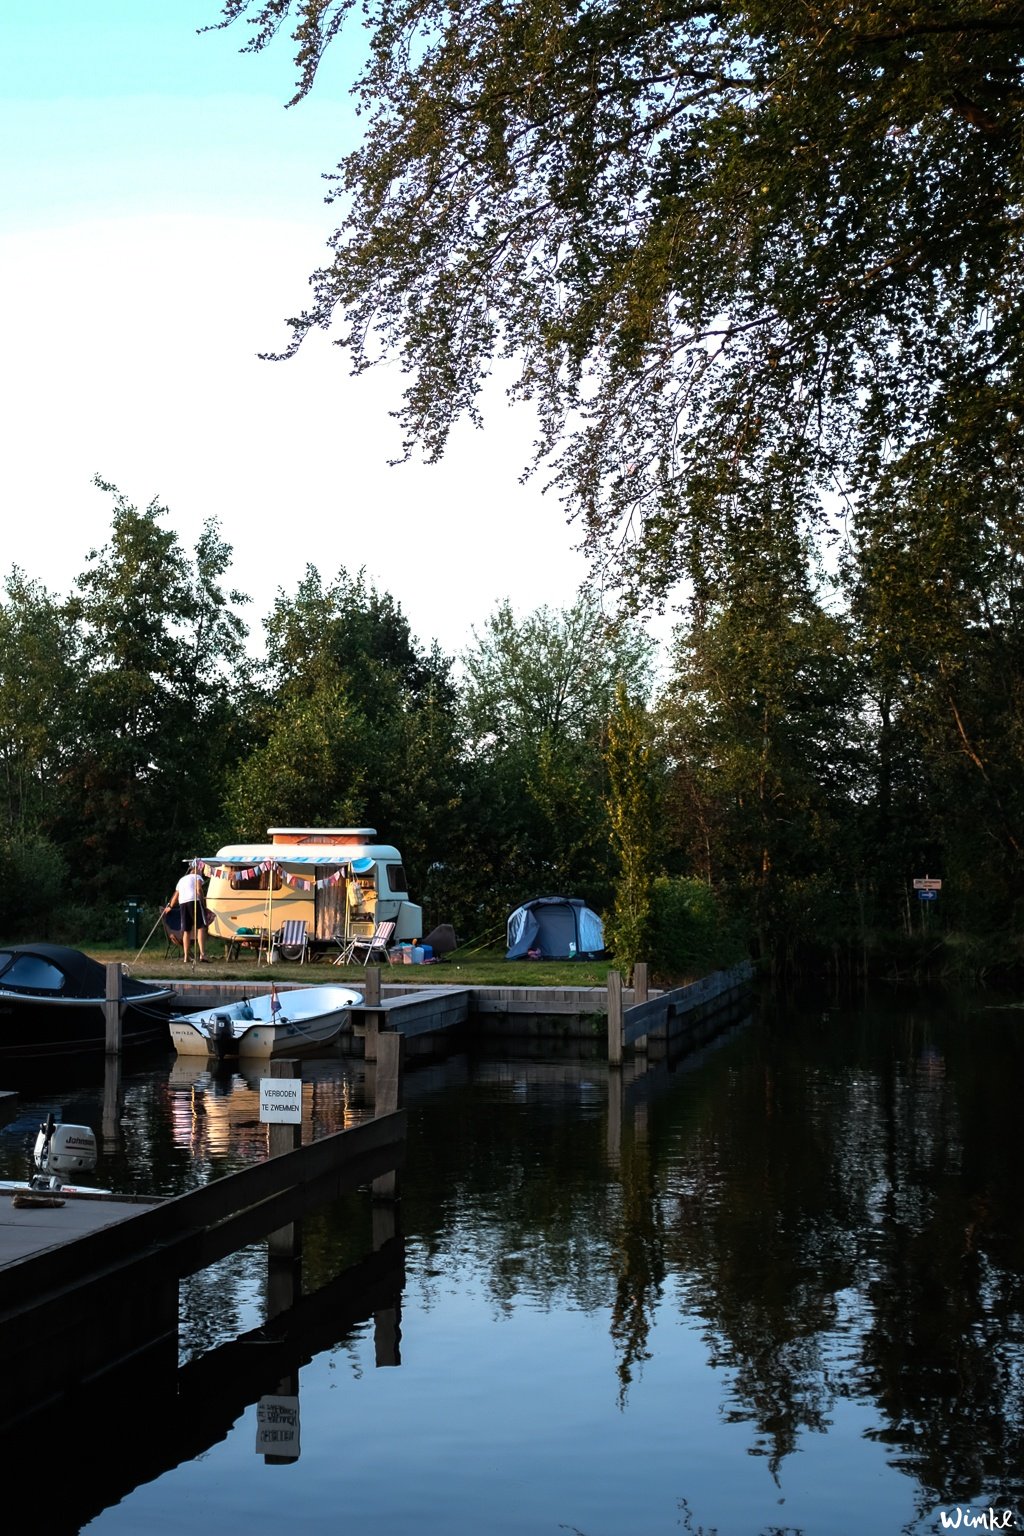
(160, 213)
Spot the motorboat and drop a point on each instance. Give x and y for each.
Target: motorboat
(295, 1022)
(52, 1005)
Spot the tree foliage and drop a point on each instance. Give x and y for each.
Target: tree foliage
(720, 243)
(632, 803)
(536, 693)
(158, 653)
(356, 723)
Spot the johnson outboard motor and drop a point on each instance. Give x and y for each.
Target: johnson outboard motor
(62, 1151)
(223, 1036)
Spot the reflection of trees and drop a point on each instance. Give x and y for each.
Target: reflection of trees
(762, 1247)
(943, 1352)
(848, 1219)
(839, 1202)
(639, 1260)
(516, 1190)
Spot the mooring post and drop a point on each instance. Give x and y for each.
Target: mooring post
(614, 1018)
(371, 987)
(111, 1124)
(387, 1097)
(613, 1134)
(387, 1321)
(640, 996)
(112, 1008)
(286, 1242)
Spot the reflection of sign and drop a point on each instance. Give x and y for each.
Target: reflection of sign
(281, 1100)
(277, 1427)
(927, 895)
(927, 885)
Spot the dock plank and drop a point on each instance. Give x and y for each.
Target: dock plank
(26, 1231)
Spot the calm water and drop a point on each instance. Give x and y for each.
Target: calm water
(779, 1288)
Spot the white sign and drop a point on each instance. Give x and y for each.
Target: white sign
(277, 1425)
(281, 1100)
(927, 885)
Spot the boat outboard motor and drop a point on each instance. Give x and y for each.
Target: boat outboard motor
(223, 1035)
(61, 1150)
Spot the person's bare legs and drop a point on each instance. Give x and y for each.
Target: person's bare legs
(201, 936)
(185, 937)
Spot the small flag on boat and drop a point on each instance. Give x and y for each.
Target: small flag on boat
(275, 1006)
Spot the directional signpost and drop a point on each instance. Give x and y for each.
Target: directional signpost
(927, 891)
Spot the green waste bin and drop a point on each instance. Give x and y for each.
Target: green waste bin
(133, 921)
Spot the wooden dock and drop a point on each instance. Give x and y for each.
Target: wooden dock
(90, 1284)
(424, 1011)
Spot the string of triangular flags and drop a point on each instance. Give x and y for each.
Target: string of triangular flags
(296, 882)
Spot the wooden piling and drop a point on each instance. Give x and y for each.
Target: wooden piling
(387, 1098)
(286, 1242)
(371, 987)
(112, 1007)
(614, 1019)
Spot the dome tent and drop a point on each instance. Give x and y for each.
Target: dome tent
(560, 927)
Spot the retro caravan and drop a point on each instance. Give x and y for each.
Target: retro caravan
(341, 880)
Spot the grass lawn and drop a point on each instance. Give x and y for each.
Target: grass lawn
(485, 968)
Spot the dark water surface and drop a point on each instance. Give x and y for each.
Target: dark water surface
(779, 1288)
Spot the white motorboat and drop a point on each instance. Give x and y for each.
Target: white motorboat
(295, 1022)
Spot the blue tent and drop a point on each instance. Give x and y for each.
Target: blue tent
(560, 927)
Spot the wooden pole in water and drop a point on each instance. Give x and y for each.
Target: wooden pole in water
(614, 1019)
(112, 1007)
(371, 987)
(640, 982)
(387, 1097)
(286, 1242)
(387, 1321)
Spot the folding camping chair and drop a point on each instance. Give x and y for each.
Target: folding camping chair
(360, 950)
(171, 923)
(291, 940)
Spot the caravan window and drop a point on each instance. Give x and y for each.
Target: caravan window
(266, 880)
(396, 877)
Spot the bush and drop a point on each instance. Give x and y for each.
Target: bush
(32, 880)
(689, 933)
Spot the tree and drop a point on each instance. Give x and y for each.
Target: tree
(38, 684)
(936, 583)
(355, 726)
(634, 781)
(159, 651)
(711, 238)
(763, 731)
(536, 695)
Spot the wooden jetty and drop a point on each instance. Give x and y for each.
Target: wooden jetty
(629, 1018)
(93, 1283)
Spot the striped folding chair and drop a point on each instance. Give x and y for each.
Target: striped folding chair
(361, 951)
(292, 941)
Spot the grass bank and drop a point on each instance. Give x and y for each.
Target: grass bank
(481, 969)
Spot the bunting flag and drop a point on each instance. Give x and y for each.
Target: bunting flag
(265, 866)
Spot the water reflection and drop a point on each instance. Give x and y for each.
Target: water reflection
(807, 1239)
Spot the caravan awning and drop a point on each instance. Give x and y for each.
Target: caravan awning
(237, 860)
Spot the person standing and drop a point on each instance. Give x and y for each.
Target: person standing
(190, 896)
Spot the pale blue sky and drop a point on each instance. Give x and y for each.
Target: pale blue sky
(161, 213)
